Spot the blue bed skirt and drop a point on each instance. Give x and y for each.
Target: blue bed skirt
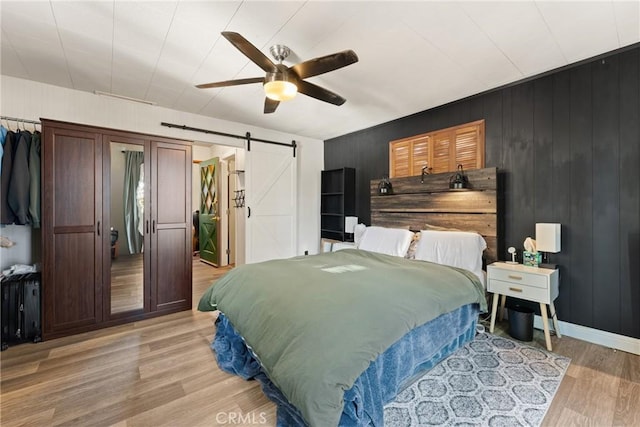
(419, 350)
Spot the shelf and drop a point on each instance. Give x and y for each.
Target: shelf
(332, 234)
(445, 190)
(336, 202)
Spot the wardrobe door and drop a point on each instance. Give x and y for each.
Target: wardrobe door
(126, 202)
(171, 223)
(72, 230)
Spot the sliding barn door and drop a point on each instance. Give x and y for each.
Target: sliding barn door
(271, 202)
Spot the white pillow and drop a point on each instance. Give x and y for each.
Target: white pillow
(358, 231)
(455, 248)
(390, 241)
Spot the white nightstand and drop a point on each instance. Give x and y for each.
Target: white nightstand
(527, 283)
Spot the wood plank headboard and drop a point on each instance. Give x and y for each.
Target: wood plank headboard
(414, 204)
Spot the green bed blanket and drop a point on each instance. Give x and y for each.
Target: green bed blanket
(316, 322)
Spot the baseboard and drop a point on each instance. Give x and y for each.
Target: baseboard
(596, 336)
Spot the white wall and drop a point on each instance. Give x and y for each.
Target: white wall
(31, 100)
(309, 196)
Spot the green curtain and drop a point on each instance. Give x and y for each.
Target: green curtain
(133, 215)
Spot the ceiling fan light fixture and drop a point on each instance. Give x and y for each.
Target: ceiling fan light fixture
(278, 88)
(282, 83)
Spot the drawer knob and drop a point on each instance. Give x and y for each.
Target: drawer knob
(515, 289)
(511, 276)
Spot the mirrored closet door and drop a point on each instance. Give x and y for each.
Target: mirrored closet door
(128, 211)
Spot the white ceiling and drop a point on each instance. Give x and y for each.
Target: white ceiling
(413, 55)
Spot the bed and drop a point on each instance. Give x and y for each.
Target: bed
(335, 336)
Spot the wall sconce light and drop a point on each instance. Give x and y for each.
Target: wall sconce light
(459, 180)
(548, 240)
(426, 170)
(384, 187)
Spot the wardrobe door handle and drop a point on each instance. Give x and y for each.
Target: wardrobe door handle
(98, 228)
(147, 226)
(249, 210)
(153, 226)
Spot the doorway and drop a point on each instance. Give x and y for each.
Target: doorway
(209, 219)
(233, 202)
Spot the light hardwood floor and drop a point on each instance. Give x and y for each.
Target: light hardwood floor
(127, 287)
(162, 372)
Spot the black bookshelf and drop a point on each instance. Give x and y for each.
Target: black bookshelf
(338, 191)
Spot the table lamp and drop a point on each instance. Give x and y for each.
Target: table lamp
(547, 241)
(350, 223)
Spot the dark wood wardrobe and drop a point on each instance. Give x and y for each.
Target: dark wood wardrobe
(92, 276)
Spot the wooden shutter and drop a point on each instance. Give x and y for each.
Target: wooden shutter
(419, 154)
(442, 150)
(441, 154)
(399, 156)
(469, 147)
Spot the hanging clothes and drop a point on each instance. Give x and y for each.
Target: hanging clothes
(6, 213)
(18, 195)
(3, 136)
(34, 183)
(133, 162)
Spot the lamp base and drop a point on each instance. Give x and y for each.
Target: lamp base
(548, 265)
(545, 262)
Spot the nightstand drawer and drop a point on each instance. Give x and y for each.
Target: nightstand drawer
(517, 277)
(522, 291)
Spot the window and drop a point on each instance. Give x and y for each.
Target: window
(441, 150)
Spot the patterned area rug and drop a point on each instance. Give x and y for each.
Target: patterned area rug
(491, 381)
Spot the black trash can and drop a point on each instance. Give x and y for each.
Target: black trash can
(521, 323)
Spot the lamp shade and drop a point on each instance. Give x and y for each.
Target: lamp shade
(279, 88)
(350, 223)
(548, 237)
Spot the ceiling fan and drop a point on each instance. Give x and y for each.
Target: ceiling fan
(281, 83)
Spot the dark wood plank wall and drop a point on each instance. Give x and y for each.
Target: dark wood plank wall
(567, 146)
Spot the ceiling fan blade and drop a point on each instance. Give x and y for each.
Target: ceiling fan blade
(324, 64)
(270, 105)
(231, 83)
(320, 93)
(250, 51)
